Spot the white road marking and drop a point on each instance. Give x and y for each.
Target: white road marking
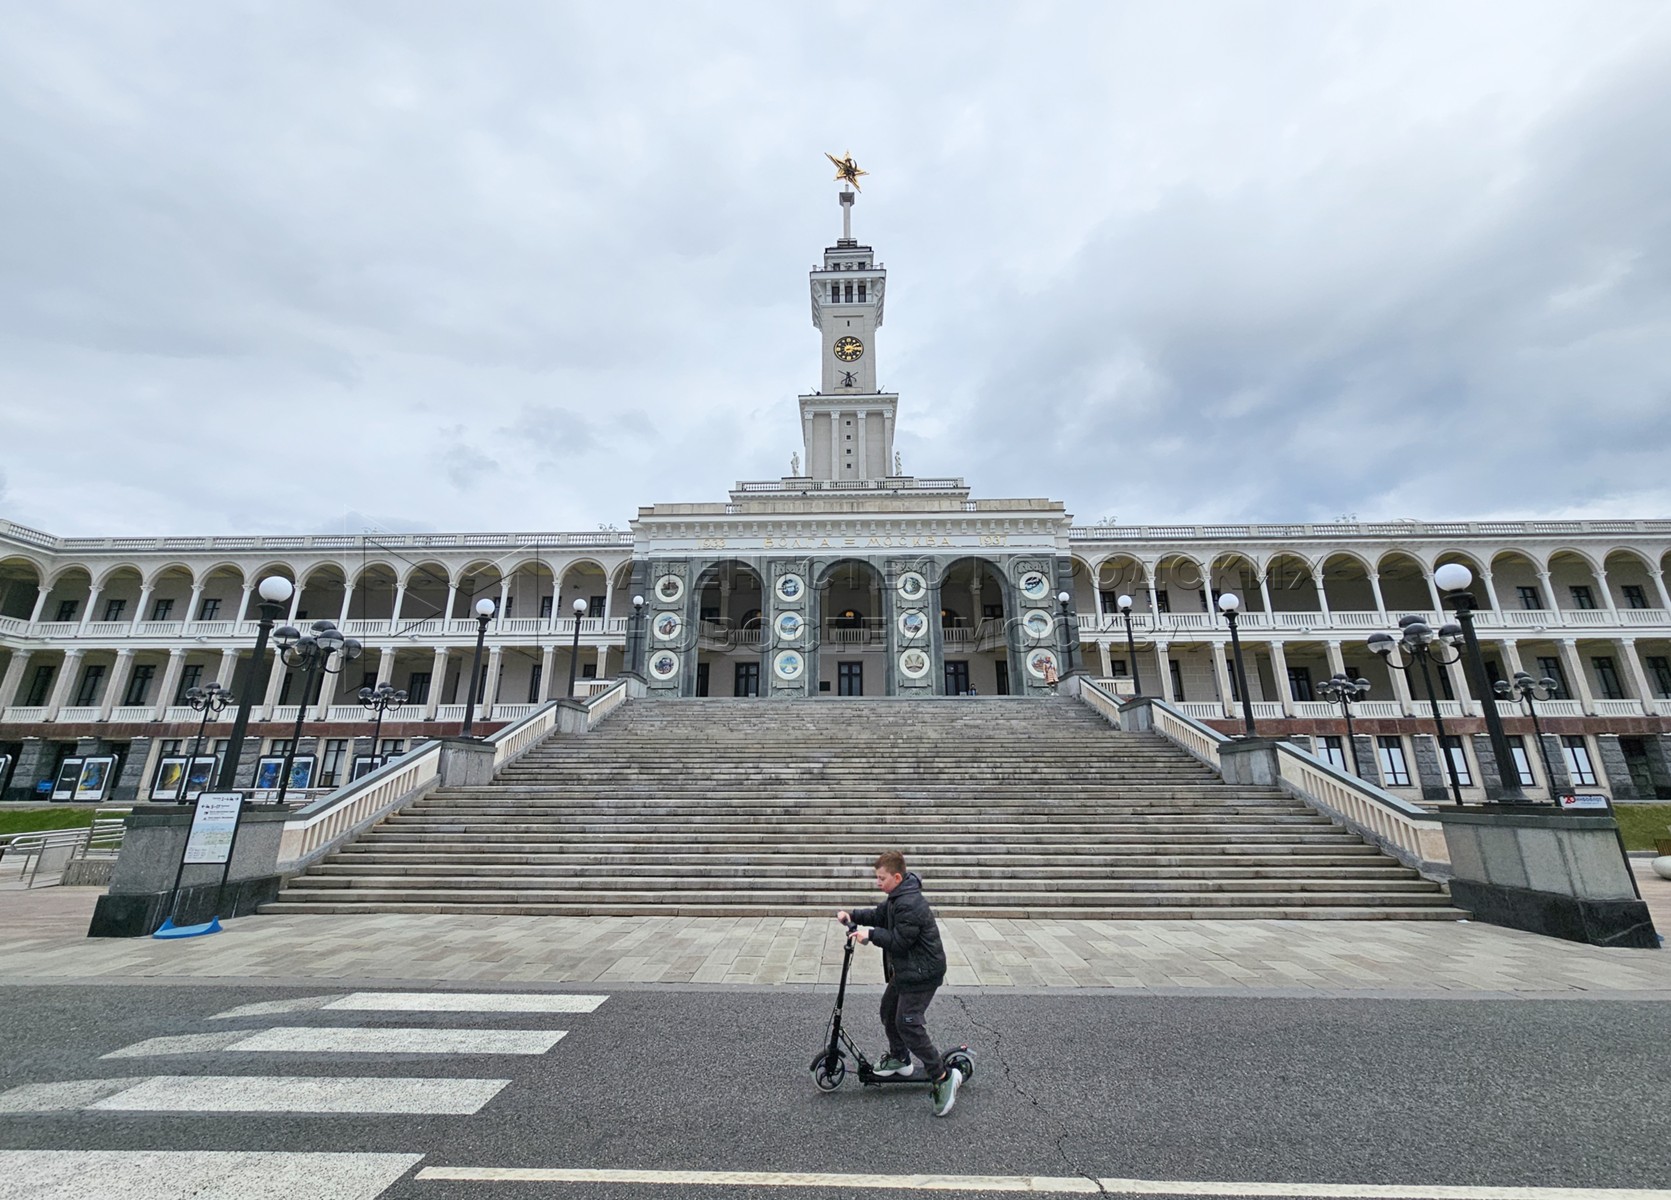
(549, 1002)
(193, 1174)
(1036, 1184)
(302, 1094)
(61, 1097)
(303, 1039)
(273, 1008)
(185, 1043)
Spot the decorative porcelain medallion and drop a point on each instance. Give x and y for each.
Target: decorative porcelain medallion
(912, 586)
(789, 626)
(1035, 585)
(1038, 623)
(914, 664)
(790, 587)
(913, 624)
(664, 664)
(1040, 662)
(669, 588)
(789, 664)
(667, 626)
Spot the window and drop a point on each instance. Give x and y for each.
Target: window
(861, 293)
(1607, 677)
(391, 748)
(210, 609)
(1635, 597)
(161, 609)
(848, 293)
(1331, 751)
(39, 686)
(1299, 683)
(330, 767)
(139, 683)
(1577, 755)
(284, 688)
(534, 683)
(1459, 759)
(417, 687)
(280, 746)
(113, 609)
(1551, 668)
(1177, 679)
(1117, 668)
(1529, 597)
(1389, 752)
(594, 607)
(589, 670)
(66, 609)
(1522, 763)
(91, 679)
(545, 606)
(1582, 596)
(189, 678)
(1163, 602)
(1446, 690)
(1659, 667)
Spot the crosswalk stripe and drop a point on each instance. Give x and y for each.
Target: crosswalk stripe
(190, 1175)
(1035, 1184)
(305, 1039)
(548, 1002)
(261, 1093)
(185, 1043)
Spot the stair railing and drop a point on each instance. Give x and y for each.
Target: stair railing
(1399, 828)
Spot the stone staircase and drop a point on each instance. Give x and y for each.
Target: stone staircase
(1006, 807)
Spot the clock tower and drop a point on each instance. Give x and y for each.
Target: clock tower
(848, 425)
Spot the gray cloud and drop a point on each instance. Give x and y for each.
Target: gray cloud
(537, 268)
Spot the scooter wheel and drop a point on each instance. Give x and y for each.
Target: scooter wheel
(962, 1064)
(828, 1078)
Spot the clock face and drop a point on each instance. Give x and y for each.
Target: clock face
(848, 348)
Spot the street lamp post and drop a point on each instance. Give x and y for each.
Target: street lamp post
(1454, 579)
(1420, 643)
(1344, 691)
(1131, 648)
(484, 614)
(274, 591)
(1062, 602)
(1228, 604)
(1528, 692)
(574, 648)
(209, 701)
(381, 699)
(638, 634)
(312, 651)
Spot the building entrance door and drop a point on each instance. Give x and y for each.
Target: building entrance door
(957, 678)
(701, 679)
(850, 679)
(1003, 688)
(747, 682)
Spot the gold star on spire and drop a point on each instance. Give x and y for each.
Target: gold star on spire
(847, 171)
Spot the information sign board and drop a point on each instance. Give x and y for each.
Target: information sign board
(1583, 801)
(212, 827)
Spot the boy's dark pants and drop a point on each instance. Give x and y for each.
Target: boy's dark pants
(902, 1017)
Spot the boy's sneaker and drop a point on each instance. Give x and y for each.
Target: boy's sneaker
(944, 1091)
(895, 1066)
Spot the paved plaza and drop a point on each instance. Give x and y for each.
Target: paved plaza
(41, 940)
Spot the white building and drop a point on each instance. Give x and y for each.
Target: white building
(847, 578)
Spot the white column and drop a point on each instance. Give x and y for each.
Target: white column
(275, 685)
(887, 442)
(548, 667)
(295, 606)
(1219, 653)
(490, 695)
(609, 598)
(603, 662)
(170, 683)
(1575, 669)
(1488, 585)
(1337, 660)
(1279, 676)
(227, 668)
(1433, 591)
(807, 426)
(452, 599)
(835, 445)
(66, 680)
(1401, 690)
(1547, 587)
(117, 681)
(1322, 591)
(437, 680)
(385, 665)
(1659, 586)
(197, 597)
(1607, 595)
(400, 599)
(863, 455)
(243, 605)
(348, 599)
(1626, 648)
(1265, 592)
(40, 602)
(87, 613)
(1375, 586)
(504, 597)
(1510, 651)
(139, 608)
(1108, 659)
(1163, 665)
(14, 677)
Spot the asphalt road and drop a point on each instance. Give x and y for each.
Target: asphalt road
(1467, 1092)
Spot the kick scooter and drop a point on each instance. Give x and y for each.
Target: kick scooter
(829, 1068)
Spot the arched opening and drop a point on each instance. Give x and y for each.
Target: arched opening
(323, 590)
(853, 607)
(1482, 597)
(118, 599)
(1630, 579)
(20, 588)
(1292, 585)
(1572, 577)
(1404, 585)
(1514, 579)
(425, 600)
(66, 600)
(1180, 586)
(220, 596)
(373, 602)
(730, 599)
(1347, 588)
(974, 633)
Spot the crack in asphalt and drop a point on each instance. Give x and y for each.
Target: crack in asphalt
(1004, 1067)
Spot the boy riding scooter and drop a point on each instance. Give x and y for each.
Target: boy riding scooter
(914, 964)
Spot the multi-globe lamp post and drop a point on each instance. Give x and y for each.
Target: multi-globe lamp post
(1228, 604)
(1454, 579)
(1528, 692)
(311, 651)
(273, 591)
(484, 614)
(381, 699)
(209, 701)
(1346, 691)
(1131, 647)
(1420, 643)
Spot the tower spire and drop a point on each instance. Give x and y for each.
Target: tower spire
(847, 199)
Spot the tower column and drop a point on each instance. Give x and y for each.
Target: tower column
(835, 445)
(863, 456)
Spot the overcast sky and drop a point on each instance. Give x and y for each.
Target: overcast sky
(323, 267)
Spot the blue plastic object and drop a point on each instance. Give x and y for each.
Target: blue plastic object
(168, 929)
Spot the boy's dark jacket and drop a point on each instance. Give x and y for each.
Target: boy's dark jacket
(903, 925)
